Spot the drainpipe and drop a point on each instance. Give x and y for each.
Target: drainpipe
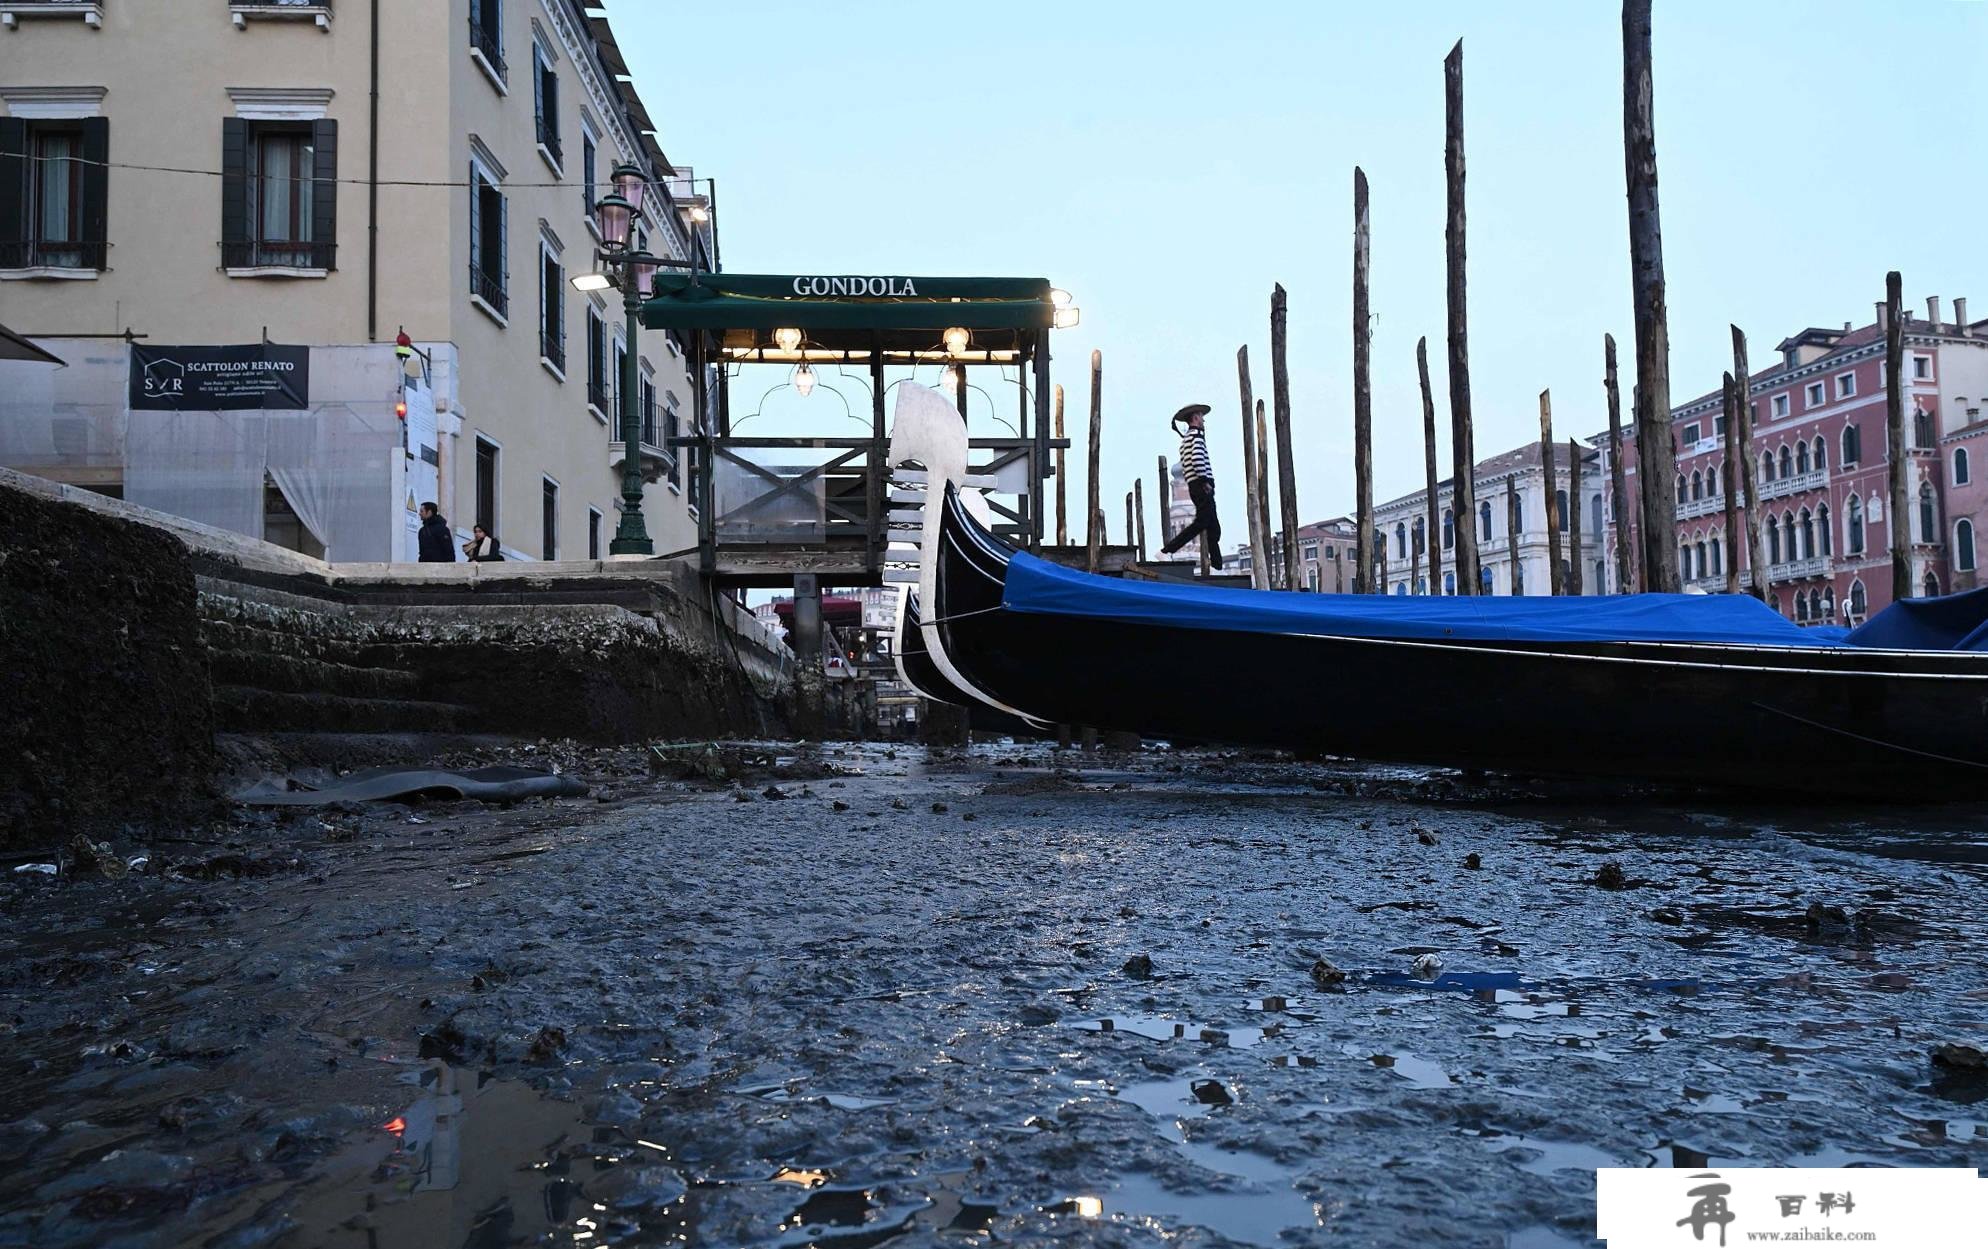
(373, 188)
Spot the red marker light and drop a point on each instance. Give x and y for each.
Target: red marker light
(400, 409)
(395, 1125)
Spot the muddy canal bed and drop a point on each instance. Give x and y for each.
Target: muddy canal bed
(862, 997)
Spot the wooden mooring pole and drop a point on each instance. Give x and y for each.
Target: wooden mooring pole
(1095, 534)
(1429, 464)
(1163, 502)
(1287, 474)
(1749, 469)
(1363, 391)
(1656, 457)
(1515, 521)
(1259, 561)
(1729, 404)
(1574, 555)
(1271, 572)
(1139, 515)
(1617, 497)
(1899, 524)
(1463, 443)
(1551, 479)
(1062, 481)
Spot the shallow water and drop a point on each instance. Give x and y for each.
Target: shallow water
(685, 1018)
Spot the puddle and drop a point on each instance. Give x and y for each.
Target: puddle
(1251, 1218)
(1419, 1072)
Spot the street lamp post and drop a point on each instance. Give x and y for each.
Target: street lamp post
(616, 215)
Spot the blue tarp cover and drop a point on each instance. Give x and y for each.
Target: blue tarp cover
(1954, 622)
(1035, 585)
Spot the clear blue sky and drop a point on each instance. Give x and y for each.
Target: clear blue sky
(1168, 161)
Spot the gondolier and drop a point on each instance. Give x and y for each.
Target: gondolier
(1200, 475)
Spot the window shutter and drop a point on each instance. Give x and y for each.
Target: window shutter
(538, 96)
(475, 226)
(234, 189)
(551, 106)
(324, 195)
(13, 184)
(503, 274)
(96, 191)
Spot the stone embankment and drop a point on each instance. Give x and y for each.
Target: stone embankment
(132, 642)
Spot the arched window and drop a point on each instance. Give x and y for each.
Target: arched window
(1821, 453)
(1484, 519)
(1449, 529)
(1484, 576)
(1773, 541)
(1829, 604)
(1851, 448)
(1712, 482)
(1312, 577)
(1801, 457)
(1963, 545)
(1697, 485)
(1767, 466)
(1932, 586)
(1801, 608)
(1718, 558)
(1788, 549)
(1776, 602)
(1786, 463)
(1822, 528)
(1449, 583)
(1401, 540)
(1422, 585)
(1421, 540)
(1928, 524)
(1960, 466)
(1401, 589)
(1684, 560)
(1859, 601)
(1681, 495)
(1922, 427)
(1560, 502)
(1704, 569)
(1808, 535)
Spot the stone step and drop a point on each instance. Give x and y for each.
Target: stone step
(244, 709)
(265, 670)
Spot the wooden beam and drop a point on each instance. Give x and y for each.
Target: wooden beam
(1163, 501)
(1287, 475)
(1617, 496)
(1729, 404)
(1259, 563)
(1095, 535)
(1551, 477)
(1463, 443)
(1062, 481)
(1900, 527)
(1138, 530)
(1130, 527)
(1656, 458)
(1514, 528)
(1574, 555)
(1749, 474)
(1429, 465)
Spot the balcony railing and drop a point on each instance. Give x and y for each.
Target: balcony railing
(1701, 507)
(1814, 479)
(484, 39)
(277, 254)
(318, 11)
(548, 138)
(91, 11)
(598, 398)
(52, 254)
(553, 348)
(1795, 569)
(490, 289)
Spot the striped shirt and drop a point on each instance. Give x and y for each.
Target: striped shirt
(1194, 457)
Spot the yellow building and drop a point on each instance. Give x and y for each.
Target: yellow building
(222, 215)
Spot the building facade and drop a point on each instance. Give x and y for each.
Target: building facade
(1513, 547)
(191, 190)
(1819, 442)
(1325, 556)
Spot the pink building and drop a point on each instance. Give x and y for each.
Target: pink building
(1819, 443)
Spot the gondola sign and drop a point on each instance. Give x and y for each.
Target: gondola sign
(214, 379)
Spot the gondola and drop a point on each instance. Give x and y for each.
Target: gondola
(1705, 690)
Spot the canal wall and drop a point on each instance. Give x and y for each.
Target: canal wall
(142, 650)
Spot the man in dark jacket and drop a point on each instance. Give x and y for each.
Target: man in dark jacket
(438, 546)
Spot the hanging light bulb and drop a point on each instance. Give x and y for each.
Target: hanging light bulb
(1065, 318)
(1059, 297)
(804, 379)
(956, 340)
(787, 338)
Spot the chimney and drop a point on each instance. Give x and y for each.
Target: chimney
(1960, 314)
(1884, 315)
(1933, 310)
(1846, 327)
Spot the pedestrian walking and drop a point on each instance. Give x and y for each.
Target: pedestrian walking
(437, 547)
(1200, 475)
(483, 547)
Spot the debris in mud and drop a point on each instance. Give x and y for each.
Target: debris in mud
(545, 1045)
(773, 793)
(1429, 966)
(1822, 918)
(1956, 1057)
(237, 865)
(899, 804)
(96, 856)
(1139, 967)
(838, 805)
(1611, 876)
(1324, 974)
(938, 808)
(1424, 836)
(1211, 1092)
(1034, 786)
(1471, 862)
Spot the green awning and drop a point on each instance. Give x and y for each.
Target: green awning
(731, 301)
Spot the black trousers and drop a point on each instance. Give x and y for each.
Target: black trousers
(1205, 521)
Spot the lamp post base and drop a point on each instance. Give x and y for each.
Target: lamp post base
(619, 547)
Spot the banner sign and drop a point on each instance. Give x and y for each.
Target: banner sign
(213, 379)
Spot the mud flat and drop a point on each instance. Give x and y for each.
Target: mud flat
(857, 996)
